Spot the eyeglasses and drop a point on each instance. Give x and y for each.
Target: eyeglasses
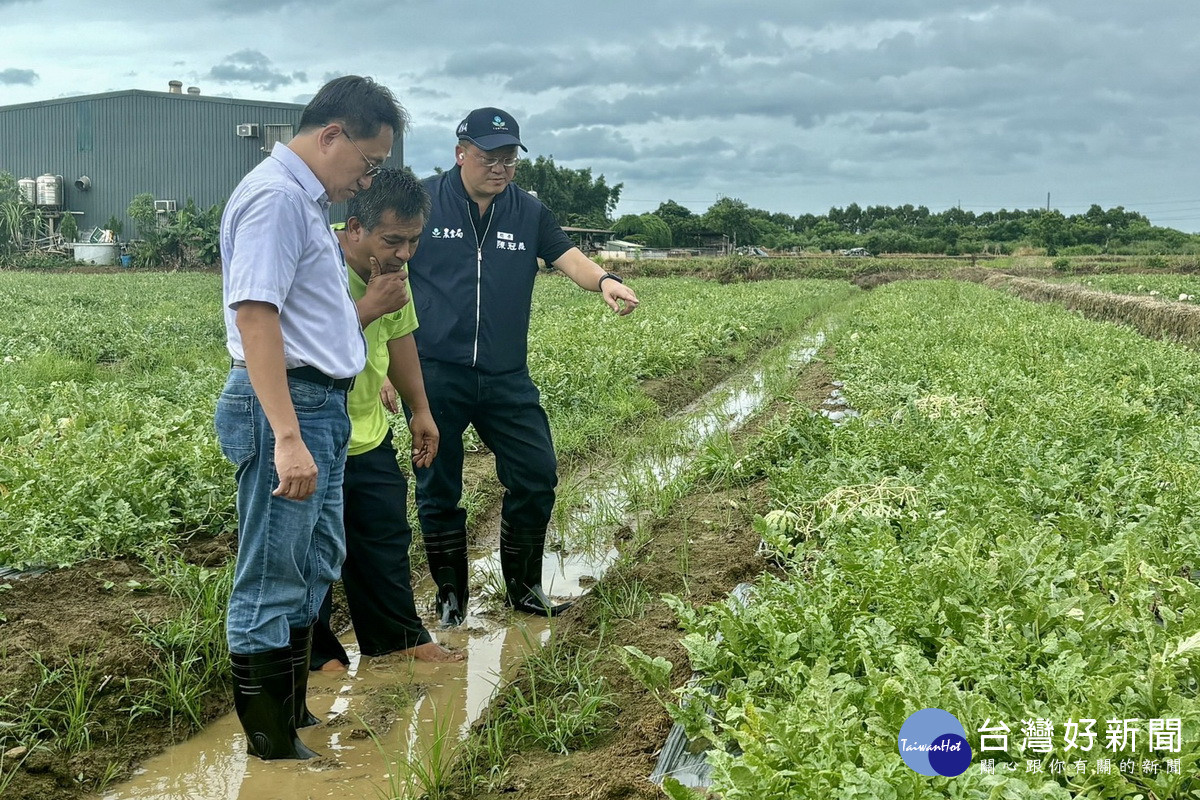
(372, 168)
(491, 161)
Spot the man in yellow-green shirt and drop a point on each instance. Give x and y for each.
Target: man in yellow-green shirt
(380, 235)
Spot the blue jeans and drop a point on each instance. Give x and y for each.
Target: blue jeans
(289, 551)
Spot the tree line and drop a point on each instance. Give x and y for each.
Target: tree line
(578, 199)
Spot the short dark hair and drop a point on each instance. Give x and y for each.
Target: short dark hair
(360, 104)
(395, 190)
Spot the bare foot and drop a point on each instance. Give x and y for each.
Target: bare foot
(333, 665)
(431, 651)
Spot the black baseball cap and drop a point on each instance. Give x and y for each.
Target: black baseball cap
(489, 128)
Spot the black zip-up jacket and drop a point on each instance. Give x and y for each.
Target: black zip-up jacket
(474, 290)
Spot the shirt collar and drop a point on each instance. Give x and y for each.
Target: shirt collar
(358, 286)
(300, 171)
(458, 187)
(456, 184)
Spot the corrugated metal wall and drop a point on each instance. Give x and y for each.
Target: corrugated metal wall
(174, 146)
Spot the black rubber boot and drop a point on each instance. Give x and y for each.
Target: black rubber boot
(447, 554)
(263, 692)
(521, 563)
(301, 650)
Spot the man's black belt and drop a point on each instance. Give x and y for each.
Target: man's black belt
(312, 375)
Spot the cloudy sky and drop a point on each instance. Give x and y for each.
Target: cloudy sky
(789, 105)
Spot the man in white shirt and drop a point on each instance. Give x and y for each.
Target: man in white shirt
(294, 338)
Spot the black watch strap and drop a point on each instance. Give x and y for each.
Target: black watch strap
(607, 276)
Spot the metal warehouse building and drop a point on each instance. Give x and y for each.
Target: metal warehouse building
(94, 153)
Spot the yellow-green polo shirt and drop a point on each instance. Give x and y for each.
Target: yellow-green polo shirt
(368, 420)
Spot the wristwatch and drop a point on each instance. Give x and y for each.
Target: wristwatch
(606, 276)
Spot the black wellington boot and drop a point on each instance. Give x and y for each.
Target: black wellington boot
(521, 562)
(447, 553)
(263, 694)
(301, 648)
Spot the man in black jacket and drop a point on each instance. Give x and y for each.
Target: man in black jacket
(472, 278)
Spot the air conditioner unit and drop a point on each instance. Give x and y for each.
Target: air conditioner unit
(248, 130)
(163, 206)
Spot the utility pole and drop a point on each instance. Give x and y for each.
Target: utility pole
(1047, 201)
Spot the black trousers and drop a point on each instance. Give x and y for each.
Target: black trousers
(376, 574)
(507, 413)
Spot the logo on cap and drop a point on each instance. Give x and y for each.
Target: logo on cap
(489, 128)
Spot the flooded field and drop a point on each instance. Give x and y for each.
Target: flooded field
(388, 717)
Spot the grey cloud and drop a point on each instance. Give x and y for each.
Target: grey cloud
(790, 106)
(425, 93)
(802, 99)
(630, 66)
(254, 68)
(599, 142)
(759, 43)
(888, 123)
(710, 147)
(15, 77)
(757, 170)
(764, 163)
(880, 157)
(940, 62)
(906, 73)
(363, 9)
(483, 62)
(239, 8)
(1019, 54)
(429, 144)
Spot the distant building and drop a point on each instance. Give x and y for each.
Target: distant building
(589, 240)
(101, 150)
(714, 243)
(620, 250)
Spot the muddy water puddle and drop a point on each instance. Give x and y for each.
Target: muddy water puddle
(603, 499)
(411, 704)
(213, 765)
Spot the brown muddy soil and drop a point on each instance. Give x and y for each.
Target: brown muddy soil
(714, 528)
(715, 531)
(672, 394)
(85, 615)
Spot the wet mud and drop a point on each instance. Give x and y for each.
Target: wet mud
(385, 710)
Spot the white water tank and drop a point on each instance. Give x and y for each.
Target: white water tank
(49, 191)
(28, 188)
(103, 253)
